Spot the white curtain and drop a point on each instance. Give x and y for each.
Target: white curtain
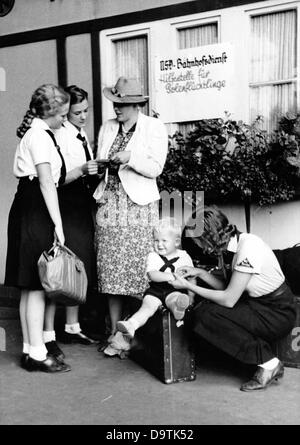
(198, 36)
(131, 60)
(189, 38)
(273, 60)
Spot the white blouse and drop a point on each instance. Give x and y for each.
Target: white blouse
(255, 257)
(36, 147)
(71, 147)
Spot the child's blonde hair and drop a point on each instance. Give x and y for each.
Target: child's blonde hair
(170, 224)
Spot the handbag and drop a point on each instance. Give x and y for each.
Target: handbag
(62, 275)
(289, 260)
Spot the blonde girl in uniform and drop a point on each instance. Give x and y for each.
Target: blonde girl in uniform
(35, 217)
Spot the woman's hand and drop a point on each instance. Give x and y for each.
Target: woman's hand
(90, 168)
(58, 232)
(122, 157)
(179, 282)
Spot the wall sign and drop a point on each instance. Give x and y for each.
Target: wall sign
(195, 83)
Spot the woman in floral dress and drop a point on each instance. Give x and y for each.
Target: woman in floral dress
(136, 147)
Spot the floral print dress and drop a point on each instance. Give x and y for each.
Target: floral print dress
(124, 234)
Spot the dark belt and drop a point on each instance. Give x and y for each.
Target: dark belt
(279, 291)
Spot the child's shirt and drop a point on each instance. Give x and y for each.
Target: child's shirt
(155, 262)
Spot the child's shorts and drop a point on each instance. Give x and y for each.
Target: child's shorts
(160, 290)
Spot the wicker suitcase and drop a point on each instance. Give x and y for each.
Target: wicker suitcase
(288, 349)
(162, 347)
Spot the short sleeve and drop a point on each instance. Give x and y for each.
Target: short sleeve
(40, 147)
(154, 262)
(186, 259)
(249, 257)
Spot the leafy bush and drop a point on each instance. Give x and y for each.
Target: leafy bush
(230, 160)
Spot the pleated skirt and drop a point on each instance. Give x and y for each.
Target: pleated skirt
(30, 232)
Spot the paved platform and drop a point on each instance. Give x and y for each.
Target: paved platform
(110, 391)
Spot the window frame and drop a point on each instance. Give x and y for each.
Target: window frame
(193, 23)
(107, 39)
(271, 8)
(239, 35)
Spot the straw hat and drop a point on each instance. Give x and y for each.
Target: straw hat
(126, 91)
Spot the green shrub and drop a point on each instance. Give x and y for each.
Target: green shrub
(230, 160)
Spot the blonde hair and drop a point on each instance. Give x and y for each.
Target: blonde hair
(169, 224)
(45, 102)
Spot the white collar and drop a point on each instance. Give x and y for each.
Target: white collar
(232, 245)
(72, 128)
(40, 123)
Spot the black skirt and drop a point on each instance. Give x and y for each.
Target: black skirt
(247, 330)
(76, 204)
(30, 232)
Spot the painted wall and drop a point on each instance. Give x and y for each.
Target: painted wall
(35, 14)
(28, 66)
(21, 79)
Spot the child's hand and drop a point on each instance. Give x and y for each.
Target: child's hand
(187, 271)
(179, 282)
(182, 271)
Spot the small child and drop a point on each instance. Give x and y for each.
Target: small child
(161, 264)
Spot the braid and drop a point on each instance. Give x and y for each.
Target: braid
(45, 102)
(26, 123)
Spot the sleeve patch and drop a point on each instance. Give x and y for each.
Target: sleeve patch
(245, 263)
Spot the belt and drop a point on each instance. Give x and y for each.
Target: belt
(279, 291)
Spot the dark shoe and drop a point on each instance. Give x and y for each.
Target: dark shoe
(80, 337)
(55, 351)
(48, 365)
(263, 378)
(23, 361)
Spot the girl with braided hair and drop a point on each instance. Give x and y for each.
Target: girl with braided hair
(244, 316)
(35, 218)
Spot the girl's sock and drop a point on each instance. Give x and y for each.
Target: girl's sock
(271, 364)
(38, 352)
(49, 336)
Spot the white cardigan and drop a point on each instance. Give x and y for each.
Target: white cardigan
(148, 146)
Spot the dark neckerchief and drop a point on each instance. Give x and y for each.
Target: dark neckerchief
(168, 263)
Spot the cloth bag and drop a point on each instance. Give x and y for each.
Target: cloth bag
(63, 275)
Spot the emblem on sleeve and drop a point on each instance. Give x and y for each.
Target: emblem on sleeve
(245, 263)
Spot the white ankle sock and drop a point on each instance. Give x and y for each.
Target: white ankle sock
(26, 348)
(73, 328)
(271, 364)
(49, 336)
(38, 352)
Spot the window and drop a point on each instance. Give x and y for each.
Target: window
(273, 66)
(198, 36)
(131, 60)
